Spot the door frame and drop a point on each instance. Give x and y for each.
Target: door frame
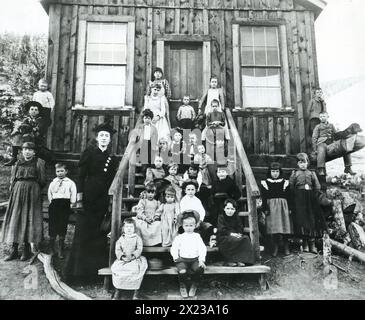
(206, 54)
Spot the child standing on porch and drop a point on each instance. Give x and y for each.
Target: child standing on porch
(186, 114)
(275, 205)
(189, 251)
(212, 93)
(203, 159)
(129, 268)
(308, 220)
(158, 78)
(61, 195)
(45, 98)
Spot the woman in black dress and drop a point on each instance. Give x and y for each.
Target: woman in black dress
(97, 170)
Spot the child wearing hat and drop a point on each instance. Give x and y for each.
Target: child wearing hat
(275, 205)
(23, 221)
(45, 98)
(188, 252)
(308, 219)
(32, 128)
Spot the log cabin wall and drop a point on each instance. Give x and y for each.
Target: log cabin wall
(262, 131)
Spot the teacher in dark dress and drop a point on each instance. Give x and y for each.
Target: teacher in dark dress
(97, 170)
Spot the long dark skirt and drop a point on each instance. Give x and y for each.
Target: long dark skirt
(89, 248)
(236, 250)
(23, 217)
(308, 217)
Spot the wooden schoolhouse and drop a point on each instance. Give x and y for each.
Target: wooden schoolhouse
(102, 52)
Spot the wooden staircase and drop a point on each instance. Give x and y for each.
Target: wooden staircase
(128, 183)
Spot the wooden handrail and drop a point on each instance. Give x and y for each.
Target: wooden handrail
(115, 191)
(250, 178)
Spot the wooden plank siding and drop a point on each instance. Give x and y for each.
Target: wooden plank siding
(262, 131)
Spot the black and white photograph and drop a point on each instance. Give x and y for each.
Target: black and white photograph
(199, 151)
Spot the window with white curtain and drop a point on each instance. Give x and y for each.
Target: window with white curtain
(105, 64)
(260, 67)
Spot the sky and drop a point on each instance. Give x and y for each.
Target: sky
(339, 33)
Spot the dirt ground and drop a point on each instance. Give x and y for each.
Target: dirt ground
(298, 276)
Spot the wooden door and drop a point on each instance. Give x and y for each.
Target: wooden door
(183, 70)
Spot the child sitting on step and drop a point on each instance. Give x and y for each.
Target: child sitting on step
(147, 222)
(156, 175)
(189, 251)
(61, 195)
(129, 268)
(191, 202)
(235, 247)
(168, 212)
(175, 179)
(223, 188)
(45, 98)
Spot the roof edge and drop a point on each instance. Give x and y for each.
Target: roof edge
(317, 6)
(45, 5)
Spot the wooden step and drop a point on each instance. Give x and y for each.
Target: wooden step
(257, 269)
(167, 249)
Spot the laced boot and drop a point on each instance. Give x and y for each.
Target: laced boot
(286, 247)
(349, 170)
(26, 252)
(13, 253)
(275, 246)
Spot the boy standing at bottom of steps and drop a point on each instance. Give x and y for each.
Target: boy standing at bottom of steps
(61, 195)
(189, 251)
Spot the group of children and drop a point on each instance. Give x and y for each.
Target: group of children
(188, 200)
(33, 127)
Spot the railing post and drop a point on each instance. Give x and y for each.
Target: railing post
(116, 223)
(253, 222)
(132, 173)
